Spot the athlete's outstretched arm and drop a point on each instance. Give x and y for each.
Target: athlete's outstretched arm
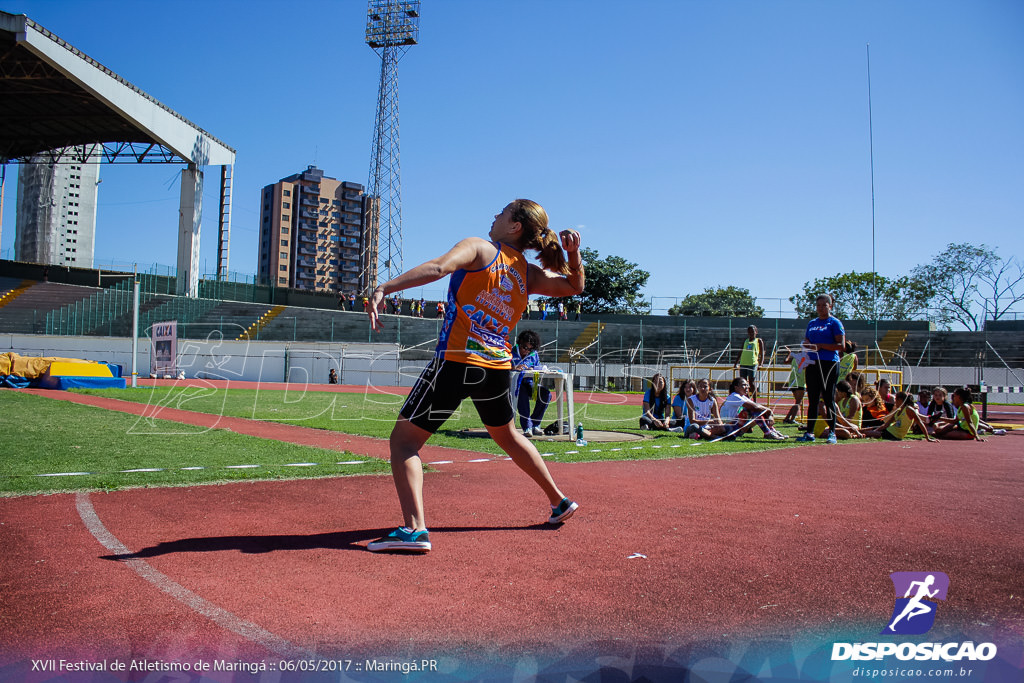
(468, 253)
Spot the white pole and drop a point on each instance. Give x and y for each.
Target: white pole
(135, 330)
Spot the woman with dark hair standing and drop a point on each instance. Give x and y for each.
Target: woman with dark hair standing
(825, 338)
(488, 290)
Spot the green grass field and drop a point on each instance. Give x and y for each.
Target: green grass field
(374, 415)
(42, 436)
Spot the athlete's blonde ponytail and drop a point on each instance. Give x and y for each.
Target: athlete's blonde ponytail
(551, 255)
(538, 236)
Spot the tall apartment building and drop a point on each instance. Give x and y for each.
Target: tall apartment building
(56, 212)
(313, 233)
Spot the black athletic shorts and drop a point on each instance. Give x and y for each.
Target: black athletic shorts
(444, 384)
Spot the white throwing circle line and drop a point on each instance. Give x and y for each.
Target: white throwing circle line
(202, 606)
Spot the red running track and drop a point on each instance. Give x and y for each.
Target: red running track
(663, 557)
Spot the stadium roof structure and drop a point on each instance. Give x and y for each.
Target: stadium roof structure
(58, 105)
(53, 97)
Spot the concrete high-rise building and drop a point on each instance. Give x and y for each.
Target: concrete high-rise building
(56, 212)
(313, 233)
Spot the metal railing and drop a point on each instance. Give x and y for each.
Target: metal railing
(97, 314)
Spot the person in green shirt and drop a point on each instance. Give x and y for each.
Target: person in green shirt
(751, 357)
(847, 360)
(900, 420)
(965, 425)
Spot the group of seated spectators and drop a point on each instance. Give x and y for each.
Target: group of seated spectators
(862, 411)
(873, 411)
(694, 410)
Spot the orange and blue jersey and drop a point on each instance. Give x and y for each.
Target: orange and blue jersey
(483, 306)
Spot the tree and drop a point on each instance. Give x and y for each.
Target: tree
(613, 285)
(972, 283)
(904, 298)
(719, 301)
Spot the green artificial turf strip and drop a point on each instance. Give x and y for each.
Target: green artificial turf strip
(42, 436)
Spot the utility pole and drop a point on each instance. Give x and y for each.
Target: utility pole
(392, 27)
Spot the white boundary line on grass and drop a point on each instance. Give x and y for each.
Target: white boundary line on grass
(205, 608)
(194, 468)
(348, 462)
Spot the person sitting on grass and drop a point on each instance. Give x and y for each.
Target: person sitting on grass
(740, 413)
(897, 423)
(885, 391)
(702, 409)
(940, 408)
(965, 425)
(844, 429)
(924, 398)
(656, 405)
(848, 419)
(680, 416)
(850, 407)
(857, 381)
(923, 406)
(874, 409)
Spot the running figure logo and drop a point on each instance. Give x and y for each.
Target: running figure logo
(914, 612)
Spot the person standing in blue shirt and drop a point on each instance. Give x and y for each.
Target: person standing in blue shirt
(825, 338)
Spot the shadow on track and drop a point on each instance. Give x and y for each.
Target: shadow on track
(336, 540)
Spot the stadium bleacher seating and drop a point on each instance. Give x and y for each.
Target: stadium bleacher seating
(636, 339)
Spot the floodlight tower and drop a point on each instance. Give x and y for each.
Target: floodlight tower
(392, 26)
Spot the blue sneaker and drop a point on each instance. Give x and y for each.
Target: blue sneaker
(805, 437)
(562, 512)
(831, 438)
(402, 538)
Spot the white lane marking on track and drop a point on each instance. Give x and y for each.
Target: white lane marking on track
(65, 474)
(217, 615)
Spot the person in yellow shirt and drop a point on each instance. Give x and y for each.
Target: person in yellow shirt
(848, 419)
(965, 425)
(847, 360)
(900, 420)
(751, 357)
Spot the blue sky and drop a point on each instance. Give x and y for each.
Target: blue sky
(710, 142)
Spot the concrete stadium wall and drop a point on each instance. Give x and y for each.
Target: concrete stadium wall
(266, 361)
(380, 364)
